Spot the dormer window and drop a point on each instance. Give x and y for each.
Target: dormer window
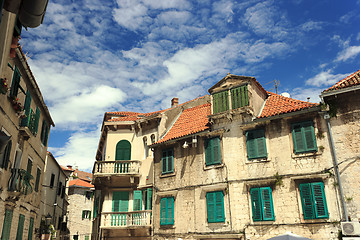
(238, 98)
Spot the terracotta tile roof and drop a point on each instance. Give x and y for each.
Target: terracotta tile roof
(80, 183)
(277, 104)
(65, 168)
(85, 176)
(349, 81)
(191, 120)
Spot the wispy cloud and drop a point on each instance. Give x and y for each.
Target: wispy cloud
(348, 53)
(325, 78)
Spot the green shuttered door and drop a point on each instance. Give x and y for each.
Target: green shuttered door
(5, 235)
(31, 227)
(120, 201)
(137, 200)
(123, 150)
(167, 211)
(20, 229)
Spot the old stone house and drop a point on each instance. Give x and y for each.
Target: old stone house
(80, 209)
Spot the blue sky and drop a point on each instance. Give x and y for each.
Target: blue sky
(93, 56)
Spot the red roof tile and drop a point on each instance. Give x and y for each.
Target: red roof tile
(277, 104)
(349, 81)
(191, 120)
(85, 176)
(80, 183)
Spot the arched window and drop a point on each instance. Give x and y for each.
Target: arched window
(123, 150)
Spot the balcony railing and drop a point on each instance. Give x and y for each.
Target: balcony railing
(126, 219)
(126, 167)
(20, 181)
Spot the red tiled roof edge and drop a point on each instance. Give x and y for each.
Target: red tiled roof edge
(80, 183)
(349, 81)
(192, 120)
(276, 105)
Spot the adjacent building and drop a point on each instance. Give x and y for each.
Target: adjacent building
(79, 212)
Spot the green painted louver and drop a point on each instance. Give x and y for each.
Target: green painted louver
(31, 229)
(137, 200)
(303, 135)
(123, 150)
(149, 199)
(167, 161)
(262, 204)
(120, 201)
(256, 144)
(20, 229)
(15, 82)
(44, 133)
(96, 207)
(215, 207)
(5, 235)
(25, 121)
(239, 97)
(212, 151)
(220, 102)
(313, 200)
(167, 211)
(37, 181)
(37, 117)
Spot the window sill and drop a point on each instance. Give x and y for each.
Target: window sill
(165, 175)
(319, 220)
(213, 166)
(260, 223)
(305, 155)
(217, 224)
(257, 160)
(167, 226)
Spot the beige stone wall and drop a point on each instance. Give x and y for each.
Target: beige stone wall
(79, 202)
(346, 133)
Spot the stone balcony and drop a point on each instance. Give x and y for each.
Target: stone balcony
(124, 220)
(116, 173)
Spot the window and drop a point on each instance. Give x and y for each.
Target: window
(25, 121)
(262, 204)
(44, 133)
(37, 180)
(212, 151)
(29, 166)
(167, 161)
(215, 206)
(123, 150)
(120, 201)
(167, 211)
(7, 224)
(76, 237)
(86, 214)
(63, 192)
(52, 180)
(96, 207)
(256, 144)
(303, 137)
(137, 200)
(31, 227)
(149, 199)
(15, 84)
(86, 237)
(5, 149)
(59, 189)
(313, 200)
(20, 228)
(220, 102)
(34, 121)
(239, 97)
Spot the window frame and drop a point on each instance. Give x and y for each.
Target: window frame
(213, 206)
(260, 201)
(220, 101)
(167, 206)
(210, 145)
(165, 160)
(259, 140)
(86, 214)
(313, 201)
(307, 130)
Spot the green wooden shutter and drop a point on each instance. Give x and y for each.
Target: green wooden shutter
(220, 102)
(216, 150)
(267, 204)
(318, 192)
(37, 117)
(25, 121)
(256, 144)
(167, 161)
(163, 212)
(83, 214)
(5, 235)
(170, 210)
(309, 135)
(20, 228)
(210, 200)
(219, 207)
(149, 199)
(29, 166)
(123, 150)
(256, 204)
(137, 206)
(86, 237)
(37, 181)
(15, 82)
(239, 97)
(307, 200)
(170, 160)
(163, 162)
(208, 152)
(31, 227)
(116, 202)
(298, 140)
(7, 152)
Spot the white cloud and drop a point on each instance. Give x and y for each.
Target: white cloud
(304, 93)
(311, 25)
(348, 53)
(131, 15)
(79, 150)
(325, 78)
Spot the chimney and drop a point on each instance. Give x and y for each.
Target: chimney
(174, 102)
(76, 168)
(69, 167)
